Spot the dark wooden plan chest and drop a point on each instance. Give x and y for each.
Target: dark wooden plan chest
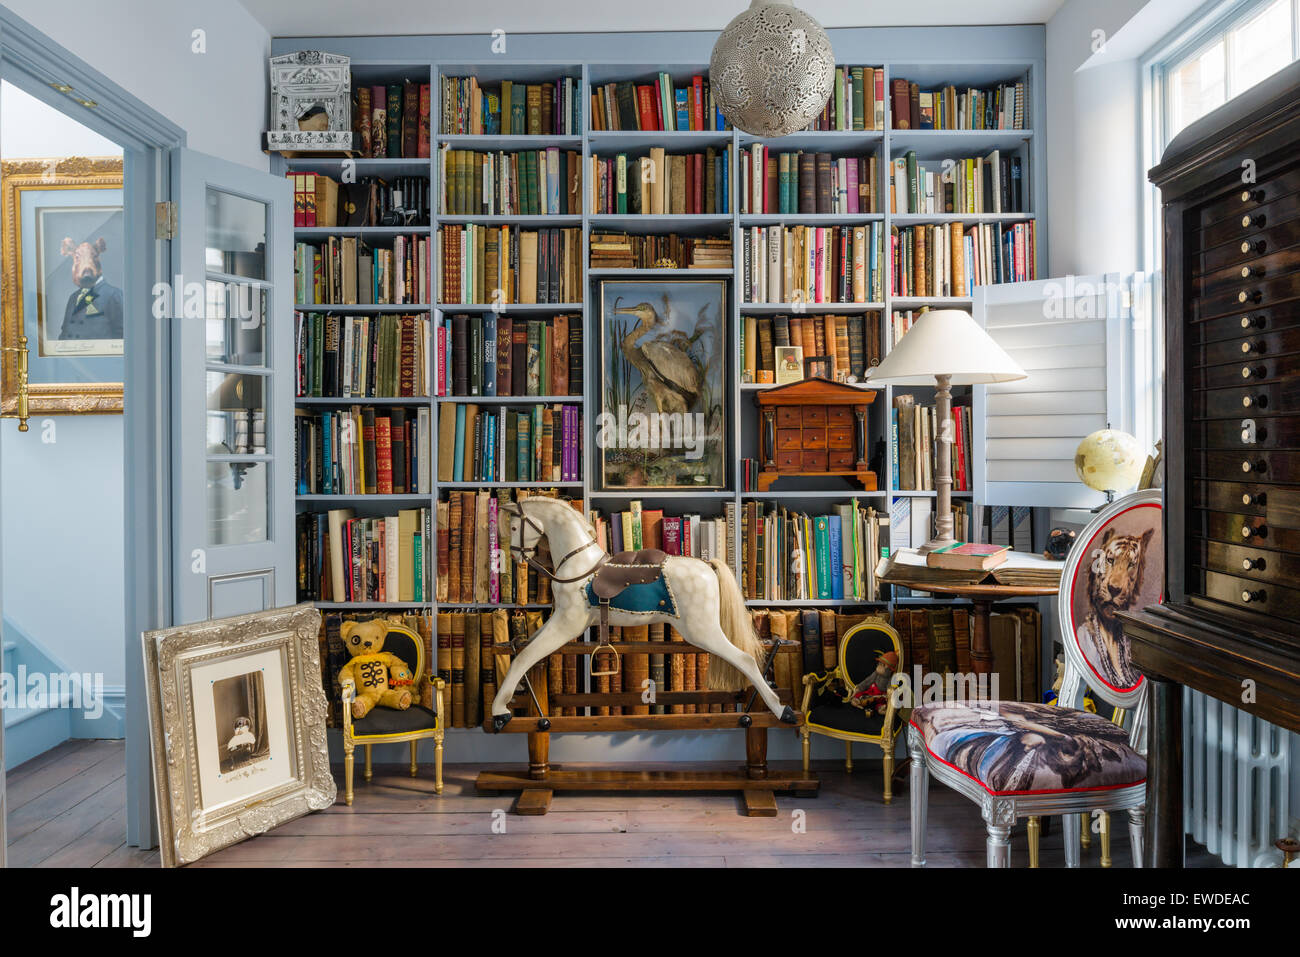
(1230, 625)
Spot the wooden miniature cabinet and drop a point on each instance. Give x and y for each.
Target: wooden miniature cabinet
(813, 427)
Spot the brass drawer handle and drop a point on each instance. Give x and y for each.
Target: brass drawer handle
(1258, 499)
(1259, 401)
(1255, 297)
(1256, 220)
(1248, 271)
(1253, 372)
(1257, 466)
(1249, 597)
(1250, 531)
(1256, 346)
(1258, 246)
(1253, 322)
(1253, 564)
(1257, 195)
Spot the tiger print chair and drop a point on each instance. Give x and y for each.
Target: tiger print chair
(1028, 760)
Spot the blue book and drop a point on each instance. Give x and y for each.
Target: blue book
(837, 558)
(327, 453)
(726, 179)
(458, 463)
(893, 447)
(490, 353)
(683, 110)
(873, 293)
(490, 449)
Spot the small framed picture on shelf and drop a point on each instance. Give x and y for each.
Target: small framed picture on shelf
(789, 364)
(817, 367)
(236, 728)
(664, 405)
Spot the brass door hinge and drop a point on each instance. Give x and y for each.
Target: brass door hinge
(164, 220)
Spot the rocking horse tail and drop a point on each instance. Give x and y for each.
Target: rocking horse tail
(737, 626)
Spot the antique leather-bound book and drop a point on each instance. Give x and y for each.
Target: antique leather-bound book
(467, 535)
(444, 658)
(457, 669)
(555, 680)
(422, 134)
(811, 638)
(410, 118)
(393, 118)
(487, 666)
(808, 183)
(473, 657)
(453, 533)
(442, 511)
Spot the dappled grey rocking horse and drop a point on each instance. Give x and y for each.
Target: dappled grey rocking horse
(700, 599)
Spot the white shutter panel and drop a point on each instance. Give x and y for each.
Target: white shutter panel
(1068, 334)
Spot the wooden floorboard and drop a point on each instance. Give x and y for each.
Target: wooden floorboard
(70, 811)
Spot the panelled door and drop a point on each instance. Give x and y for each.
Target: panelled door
(232, 381)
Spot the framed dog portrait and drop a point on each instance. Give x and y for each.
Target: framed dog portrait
(1116, 565)
(63, 239)
(236, 728)
(664, 405)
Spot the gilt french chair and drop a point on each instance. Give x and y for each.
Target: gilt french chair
(388, 725)
(826, 706)
(1028, 760)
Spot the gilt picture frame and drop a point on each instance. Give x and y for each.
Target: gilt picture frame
(236, 728)
(56, 213)
(665, 409)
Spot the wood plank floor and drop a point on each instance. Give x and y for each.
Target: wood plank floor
(67, 809)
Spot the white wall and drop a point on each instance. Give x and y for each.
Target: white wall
(146, 46)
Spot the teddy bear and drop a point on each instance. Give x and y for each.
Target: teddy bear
(370, 667)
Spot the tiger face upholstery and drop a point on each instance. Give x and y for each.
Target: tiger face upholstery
(1012, 747)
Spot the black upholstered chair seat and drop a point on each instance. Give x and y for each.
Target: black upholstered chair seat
(829, 712)
(391, 721)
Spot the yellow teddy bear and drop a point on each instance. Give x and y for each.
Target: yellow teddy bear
(369, 668)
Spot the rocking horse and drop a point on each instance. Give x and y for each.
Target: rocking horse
(701, 600)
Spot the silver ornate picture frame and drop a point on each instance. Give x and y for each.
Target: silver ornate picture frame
(236, 728)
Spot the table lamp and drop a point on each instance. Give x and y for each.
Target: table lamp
(945, 347)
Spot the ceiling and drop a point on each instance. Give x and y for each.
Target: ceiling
(383, 17)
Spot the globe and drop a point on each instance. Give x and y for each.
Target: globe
(1109, 461)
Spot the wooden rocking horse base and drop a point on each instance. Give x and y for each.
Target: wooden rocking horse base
(755, 782)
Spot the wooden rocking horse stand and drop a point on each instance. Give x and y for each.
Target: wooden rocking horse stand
(702, 601)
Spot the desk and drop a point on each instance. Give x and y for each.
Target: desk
(982, 597)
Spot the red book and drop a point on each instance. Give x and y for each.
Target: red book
(698, 168)
(425, 100)
(697, 103)
(771, 183)
(690, 186)
(383, 455)
(645, 106)
(672, 534)
(900, 106)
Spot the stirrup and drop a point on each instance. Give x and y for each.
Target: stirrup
(618, 662)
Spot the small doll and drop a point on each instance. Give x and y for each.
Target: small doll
(243, 736)
(872, 692)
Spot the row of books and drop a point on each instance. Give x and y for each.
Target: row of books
(951, 259)
(538, 443)
(813, 264)
(790, 555)
(1001, 107)
(529, 183)
(499, 355)
(857, 102)
(661, 105)
(660, 183)
(991, 184)
(938, 639)
(852, 343)
(347, 270)
(630, 251)
(474, 564)
(913, 428)
(510, 108)
(806, 182)
(391, 120)
(365, 357)
(322, 202)
(506, 264)
(690, 534)
(384, 558)
(363, 451)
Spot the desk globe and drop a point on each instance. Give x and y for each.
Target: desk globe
(1109, 461)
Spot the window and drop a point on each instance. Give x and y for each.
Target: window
(1200, 67)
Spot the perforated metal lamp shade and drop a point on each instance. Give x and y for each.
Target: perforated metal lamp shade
(945, 347)
(772, 69)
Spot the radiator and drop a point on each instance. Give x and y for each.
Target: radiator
(1236, 772)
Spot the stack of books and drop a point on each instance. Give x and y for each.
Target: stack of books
(951, 259)
(538, 443)
(659, 183)
(363, 451)
(364, 357)
(347, 270)
(552, 108)
(489, 354)
(912, 431)
(658, 105)
(533, 183)
(506, 264)
(812, 264)
(391, 120)
(788, 183)
(629, 251)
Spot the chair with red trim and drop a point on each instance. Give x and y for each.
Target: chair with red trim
(1028, 760)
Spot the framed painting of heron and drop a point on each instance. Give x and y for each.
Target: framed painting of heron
(664, 405)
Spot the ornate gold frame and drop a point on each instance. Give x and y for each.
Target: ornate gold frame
(187, 830)
(45, 398)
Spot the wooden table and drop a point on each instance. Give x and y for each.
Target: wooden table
(982, 597)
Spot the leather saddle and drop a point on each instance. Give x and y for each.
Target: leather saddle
(623, 570)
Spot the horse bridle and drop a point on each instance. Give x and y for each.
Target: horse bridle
(530, 555)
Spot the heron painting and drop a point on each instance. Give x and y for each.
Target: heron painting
(664, 406)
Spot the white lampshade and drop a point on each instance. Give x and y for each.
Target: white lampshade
(946, 342)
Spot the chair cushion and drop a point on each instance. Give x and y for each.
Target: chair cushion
(829, 712)
(391, 721)
(1013, 747)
